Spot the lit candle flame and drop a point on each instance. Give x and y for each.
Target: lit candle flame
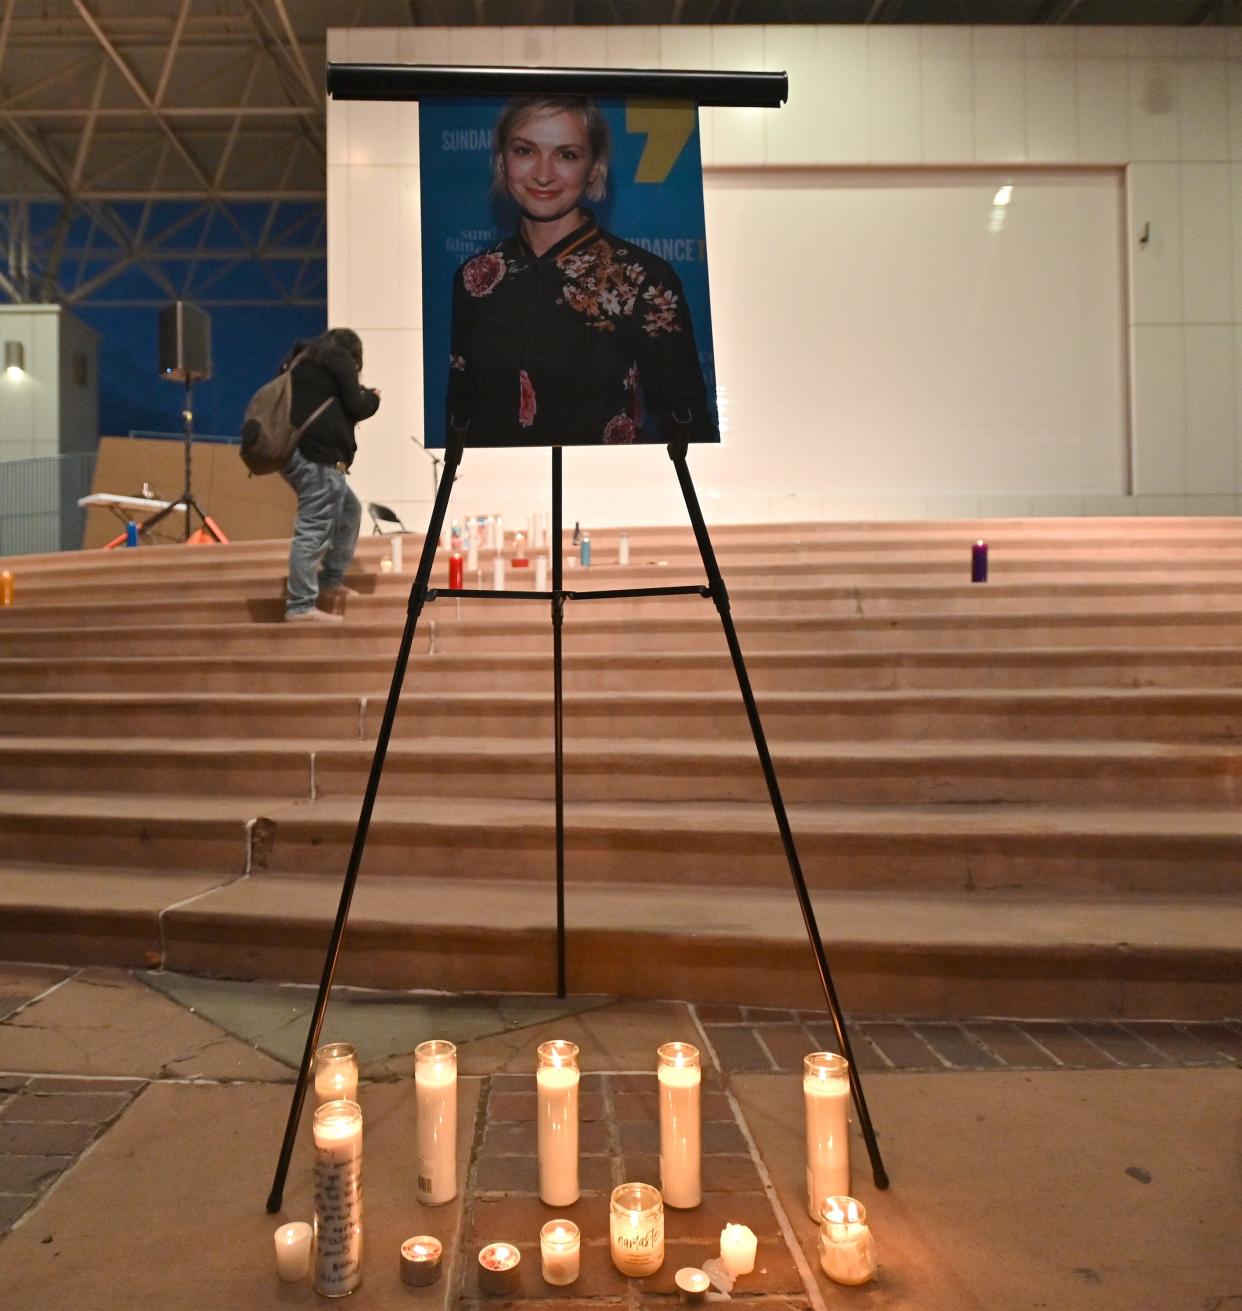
(851, 1213)
(836, 1215)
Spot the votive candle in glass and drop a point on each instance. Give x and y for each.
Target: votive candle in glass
(336, 1073)
(738, 1246)
(556, 1082)
(293, 1249)
(826, 1092)
(337, 1129)
(420, 1260)
(500, 1268)
(846, 1247)
(679, 1077)
(435, 1095)
(636, 1229)
(560, 1249)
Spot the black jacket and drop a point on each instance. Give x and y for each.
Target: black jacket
(330, 374)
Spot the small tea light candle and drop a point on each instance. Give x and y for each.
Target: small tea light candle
(737, 1249)
(692, 1284)
(500, 1268)
(846, 1247)
(420, 1260)
(636, 1229)
(336, 1073)
(560, 1247)
(386, 565)
(293, 1249)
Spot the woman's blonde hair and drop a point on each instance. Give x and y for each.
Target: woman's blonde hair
(520, 108)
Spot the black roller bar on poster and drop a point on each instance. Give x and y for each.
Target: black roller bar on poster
(412, 81)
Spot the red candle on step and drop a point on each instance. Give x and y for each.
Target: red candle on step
(455, 571)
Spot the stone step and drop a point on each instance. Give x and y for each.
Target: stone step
(604, 770)
(447, 634)
(1109, 715)
(985, 848)
(890, 953)
(1034, 667)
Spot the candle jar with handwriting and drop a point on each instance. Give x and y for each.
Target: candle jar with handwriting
(826, 1092)
(336, 1073)
(435, 1095)
(679, 1077)
(556, 1080)
(846, 1247)
(636, 1228)
(337, 1129)
(560, 1248)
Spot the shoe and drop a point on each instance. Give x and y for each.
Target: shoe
(332, 593)
(312, 616)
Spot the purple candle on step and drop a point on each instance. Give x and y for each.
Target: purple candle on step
(979, 562)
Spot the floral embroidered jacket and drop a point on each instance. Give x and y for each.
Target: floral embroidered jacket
(589, 343)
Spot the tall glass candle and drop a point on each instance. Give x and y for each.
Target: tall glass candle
(623, 549)
(636, 1229)
(336, 1073)
(556, 1081)
(498, 574)
(680, 1079)
(337, 1129)
(541, 574)
(826, 1092)
(846, 1247)
(472, 558)
(560, 1249)
(395, 551)
(435, 1093)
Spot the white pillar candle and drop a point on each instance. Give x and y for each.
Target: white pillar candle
(680, 1079)
(435, 1091)
(489, 534)
(498, 574)
(336, 1073)
(293, 1249)
(556, 1082)
(738, 1245)
(636, 1229)
(826, 1092)
(846, 1247)
(541, 574)
(337, 1128)
(472, 557)
(623, 549)
(499, 542)
(560, 1249)
(395, 547)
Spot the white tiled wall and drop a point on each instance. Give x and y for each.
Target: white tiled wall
(1165, 104)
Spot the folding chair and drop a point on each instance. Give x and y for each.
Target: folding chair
(381, 515)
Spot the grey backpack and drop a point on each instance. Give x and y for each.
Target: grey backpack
(268, 435)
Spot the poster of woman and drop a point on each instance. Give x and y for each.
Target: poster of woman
(565, 292)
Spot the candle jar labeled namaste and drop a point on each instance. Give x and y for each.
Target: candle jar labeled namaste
(846, 1247)
(336, 1073)
(636, 1226)
(338, 1198)
(556, 1081)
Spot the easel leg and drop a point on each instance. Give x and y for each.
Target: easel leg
(558, 715)
(677, 453)
(418, 598)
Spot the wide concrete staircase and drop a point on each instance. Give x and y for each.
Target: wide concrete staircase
(1011, 798)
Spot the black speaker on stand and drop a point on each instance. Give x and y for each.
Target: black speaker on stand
(185, 357)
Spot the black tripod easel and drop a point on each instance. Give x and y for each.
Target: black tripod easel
(421, 593)
(186, 498)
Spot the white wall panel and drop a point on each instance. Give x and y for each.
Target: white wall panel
(375, 247)
(340, 304)
(1207, 281)
(1211, 453)
(475, 45)
(1051, 96)
(527, 47)
(1155, 267)
(1154, 130)
(1159, 414)
(792, 132)
(737, 134)
(1102, 104)
(582, 47)
(896, 109)
(410, 238)
(947, 84)
(844, 134)
(424, 45)
(690, 48)
(1235, 107)
(1000, 95)
(636, 47)
(1203, 121)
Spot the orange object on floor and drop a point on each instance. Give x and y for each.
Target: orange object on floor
(208, 534)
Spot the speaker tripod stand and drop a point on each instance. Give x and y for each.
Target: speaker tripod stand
(186, 498)
(420, 594)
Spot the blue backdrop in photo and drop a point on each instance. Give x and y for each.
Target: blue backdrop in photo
(460, 217)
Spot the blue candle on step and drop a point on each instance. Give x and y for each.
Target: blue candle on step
(979, 562)
(131, 533)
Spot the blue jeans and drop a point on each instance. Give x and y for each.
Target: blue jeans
(326, 530)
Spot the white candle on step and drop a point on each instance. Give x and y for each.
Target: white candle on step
(738, 1245)
(395, 546)
(472, 557)
(435, 1088)
(498, 574)
(541, 574)
(623, 549)
(680, 1079)
(556, 1082)
(337, 1129)
(826, 1092)
(293, 1249)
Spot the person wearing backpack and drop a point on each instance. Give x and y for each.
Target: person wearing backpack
(329, 399)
